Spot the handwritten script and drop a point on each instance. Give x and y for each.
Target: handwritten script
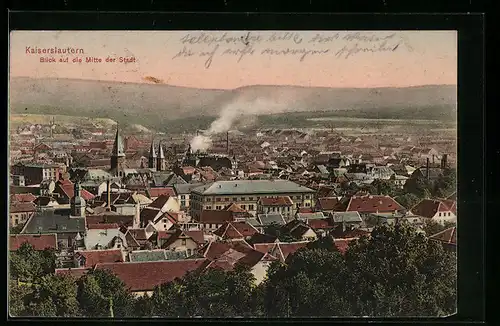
(209, 46)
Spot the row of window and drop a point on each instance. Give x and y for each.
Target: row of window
(219, 199)
(444, 214)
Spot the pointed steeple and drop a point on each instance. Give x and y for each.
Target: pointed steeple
(161, 154)
(152, 152)
(118, 148)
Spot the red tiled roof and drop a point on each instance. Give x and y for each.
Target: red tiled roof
(342, 244)
(373, 204)
(264, 247)
(235, 208)
(19, 207)
(69, 191)
(157, 192)
(138, 234)
(216, 217)
(306, 210)
(126, 220)
(145, 276)
(188, 170)
(94, 257)
(103, 226)
(235, 230)
(23, 197)
(149, 214)
(276, 201)
(330, 204)
(39, 242)
(323, 223)
(75, 272)
(196, 236)
(285, 249)
(429, 207)
(160, 201)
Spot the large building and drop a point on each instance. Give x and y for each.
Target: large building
(246, 193)
(36, 173)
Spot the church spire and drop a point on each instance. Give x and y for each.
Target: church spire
(152, 152)
(160, 151)
(118, 148)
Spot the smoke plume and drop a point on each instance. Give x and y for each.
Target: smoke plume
(241, 108)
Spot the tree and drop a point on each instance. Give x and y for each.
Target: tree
(382, 187)
(399, 272)
(408, 200)
(16, 229)
(446, 184)
(432, 227)
(18, 295)
(275, 229)
(53, 296)
(29, 264)
(100, 292)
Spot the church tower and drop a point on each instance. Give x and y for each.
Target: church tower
(118, 156)
(77, 203)
(160, 160)
(152, 157)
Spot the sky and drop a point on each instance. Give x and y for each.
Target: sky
(211, 59)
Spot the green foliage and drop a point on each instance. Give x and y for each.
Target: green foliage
(16, 229)
(28, 264)
(397, 272)
(383, 187)
(408, 200)
(276, 230)
(213, 293)
(18, 295)
(432, 227)
(53, 296)
(98, 289)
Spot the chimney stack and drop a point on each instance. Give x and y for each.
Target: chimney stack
(444, 161)
(227, 142)
(108, 187)
(427, 170)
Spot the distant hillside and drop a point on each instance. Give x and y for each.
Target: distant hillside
(155, 106)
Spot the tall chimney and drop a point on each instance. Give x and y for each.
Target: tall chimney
(427, 170)
(444, 162)
(108, 187)
(227, 142)
(433, 156)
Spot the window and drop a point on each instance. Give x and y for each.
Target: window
(16, 221)
(297, 205)
(243, 206)
(243, 198)
(183, 197)
(439, 214)
(208, 199)
(189, 252)
(226, 199)
(308, 197)
(164, 226)
(118, 246)
(183, 203)
(250, 207)
(449, 214)
(164, 220)
(183, 242)
(250, 198)
(217, 207)
(217, 199)
(308, 204)
(209, 207)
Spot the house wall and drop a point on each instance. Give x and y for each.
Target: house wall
(172, 205)
(20, 218)
(310, 235)
(188, 246)
(442, 217)
(184, 200)
(284, 210)
(259, 271)
(138, 294)
(248, 202)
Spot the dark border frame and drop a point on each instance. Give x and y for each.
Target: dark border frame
(471, 123)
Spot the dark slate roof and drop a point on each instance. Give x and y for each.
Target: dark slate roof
(54, 221)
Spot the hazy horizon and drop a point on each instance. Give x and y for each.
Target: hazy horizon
(233, 59)
(239, 87)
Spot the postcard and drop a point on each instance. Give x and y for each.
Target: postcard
(237, 174)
